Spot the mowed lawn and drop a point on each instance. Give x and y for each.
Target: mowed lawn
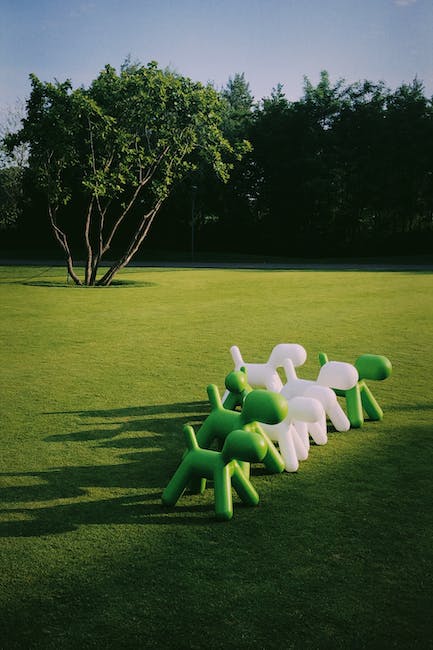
(96, 385)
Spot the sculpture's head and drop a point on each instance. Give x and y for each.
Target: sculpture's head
(237, 381)
(373, 366)
(264, 406)
(244, 445)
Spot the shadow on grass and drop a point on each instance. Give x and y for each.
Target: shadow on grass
(416, 407)
(64, 518)
(60, 284)
(127, 490)
(350, 535)
(154, 409)
(150, 462)
(192, 412)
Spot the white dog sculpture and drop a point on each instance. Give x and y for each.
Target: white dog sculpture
(265, 375)
(291, 434)
(333, 374)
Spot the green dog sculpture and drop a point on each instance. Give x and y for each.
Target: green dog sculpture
(220, 466)
(258, 406)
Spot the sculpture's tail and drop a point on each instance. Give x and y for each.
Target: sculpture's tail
(237, 357)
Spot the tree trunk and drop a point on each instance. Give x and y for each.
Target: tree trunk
(89, 262)
(63, 241)
(133, 247)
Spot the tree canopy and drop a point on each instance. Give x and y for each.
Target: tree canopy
(346, 168)
(113, 151)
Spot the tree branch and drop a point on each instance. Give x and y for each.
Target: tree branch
(133, 247)
(137, 191)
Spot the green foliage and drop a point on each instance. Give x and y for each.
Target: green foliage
(345, 169)
(222, 206)
(13, 162)
(11, 194)
(121, 143)
(344, 163)
(338, 555)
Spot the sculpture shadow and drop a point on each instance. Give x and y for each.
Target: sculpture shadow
(115, 422)
(143, 510)
(150, 458)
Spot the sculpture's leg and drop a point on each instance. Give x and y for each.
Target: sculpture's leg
(244, 488)
(272, 461)
(354, 407)
(223, 493)
(197, 485)
(288, 451)
(231, 400)
(205, 437)
(338, 417)
(202, 485)
(177, 485)
(318, 431)
(301, 439)
(369, 403)
(302, 429)
(245, 467)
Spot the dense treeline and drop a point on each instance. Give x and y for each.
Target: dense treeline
(346, 169)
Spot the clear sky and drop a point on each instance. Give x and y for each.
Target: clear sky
(271, 41)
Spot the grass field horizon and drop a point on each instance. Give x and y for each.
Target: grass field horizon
(96, 386)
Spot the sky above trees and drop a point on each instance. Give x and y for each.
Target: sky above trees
(271, 41)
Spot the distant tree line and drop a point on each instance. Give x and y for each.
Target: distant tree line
(346, 169)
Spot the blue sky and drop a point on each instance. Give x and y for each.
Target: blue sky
(271, 41)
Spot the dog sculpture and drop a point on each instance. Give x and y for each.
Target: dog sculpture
(220, 466)
(359, 397)
(291, 434)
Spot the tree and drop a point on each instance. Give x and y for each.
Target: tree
(10, 196)
(209, 214)
(12, 167)
(225, 208)
(108, 156)
(239, 104)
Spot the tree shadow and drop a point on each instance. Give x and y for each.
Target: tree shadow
(62, 284)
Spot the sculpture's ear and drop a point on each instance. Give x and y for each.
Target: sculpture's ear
(190, 439)
(214, 397)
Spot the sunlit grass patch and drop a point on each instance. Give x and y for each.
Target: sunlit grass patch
(96, 386)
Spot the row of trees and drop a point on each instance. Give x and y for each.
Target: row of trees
(346, 168)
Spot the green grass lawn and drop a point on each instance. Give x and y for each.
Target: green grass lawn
(96, 385)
